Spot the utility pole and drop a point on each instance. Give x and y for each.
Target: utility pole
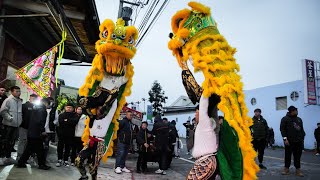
(120, 9)
(126, 12)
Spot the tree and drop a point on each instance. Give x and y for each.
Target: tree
(156, 98)
(63, 99)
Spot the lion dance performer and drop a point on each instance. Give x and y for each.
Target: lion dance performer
(103, 94)
(196, 38)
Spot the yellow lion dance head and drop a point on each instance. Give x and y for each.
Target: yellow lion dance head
(116, 45)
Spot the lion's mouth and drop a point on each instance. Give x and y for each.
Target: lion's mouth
(115, 65)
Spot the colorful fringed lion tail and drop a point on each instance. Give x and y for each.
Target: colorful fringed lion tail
(115, 49)
(196, 37)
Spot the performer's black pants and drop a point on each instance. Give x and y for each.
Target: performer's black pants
(33, 146)
(10, 135)
(170, 155)
(142, 160)
(318, 146)
(163, 154)
(259, 146)
(64, 147)
(88, 153)
(77, 146)
(2, 139)
(294, 148)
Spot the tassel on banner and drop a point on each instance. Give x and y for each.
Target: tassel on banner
(61, 52)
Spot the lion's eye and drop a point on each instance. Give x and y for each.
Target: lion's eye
(113, 36)
(131, 40)
(123, 37)
(105, 34)
(178, 22)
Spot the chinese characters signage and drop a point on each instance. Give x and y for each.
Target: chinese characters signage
(310, 82)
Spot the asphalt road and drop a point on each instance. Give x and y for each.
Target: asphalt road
(179, 169)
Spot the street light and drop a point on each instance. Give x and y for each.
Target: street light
(144, 104)
(138, 102)
(126, 14)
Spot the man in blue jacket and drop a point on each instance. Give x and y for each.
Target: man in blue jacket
(292, 131)
(124, 142)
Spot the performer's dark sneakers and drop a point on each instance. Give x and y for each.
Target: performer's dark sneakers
(84, 177)
(262, 166)
(21, 165)
(44, 167)
(299, 173)
(285, 171)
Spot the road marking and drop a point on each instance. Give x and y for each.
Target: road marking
(270, 157)
(6, 171)
(183, 159)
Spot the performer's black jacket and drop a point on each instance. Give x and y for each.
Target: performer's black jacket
(317, 134)
(26, 114)
(142, 137)
(38, 117)
(125, 131)
(173, 133)
(161, 131)
(67, 124)
(292, 128)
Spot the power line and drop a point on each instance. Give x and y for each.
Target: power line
(152, 22)
(147, 15)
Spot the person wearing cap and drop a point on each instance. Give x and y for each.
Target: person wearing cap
(143, 140)
(67, 123)
(317, 136)
(259, 131)
(292, 131)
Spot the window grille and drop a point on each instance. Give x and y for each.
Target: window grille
(281, 103)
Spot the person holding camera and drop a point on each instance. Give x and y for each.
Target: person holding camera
(36, 134)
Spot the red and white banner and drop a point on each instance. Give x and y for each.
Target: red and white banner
(136, 114)
(310, 91)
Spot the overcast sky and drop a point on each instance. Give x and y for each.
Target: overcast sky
(271, 38)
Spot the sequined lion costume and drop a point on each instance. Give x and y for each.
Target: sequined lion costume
(196, 38)
(108, 83)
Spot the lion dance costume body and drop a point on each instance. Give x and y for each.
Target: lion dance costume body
(103, 94)
(196, 38)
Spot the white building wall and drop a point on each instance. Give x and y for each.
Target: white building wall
(266, 101)
(180, 118)
(69, 91)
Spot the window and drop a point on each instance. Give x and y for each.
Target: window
(253, 101)
(294, 96)
(281, 103)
